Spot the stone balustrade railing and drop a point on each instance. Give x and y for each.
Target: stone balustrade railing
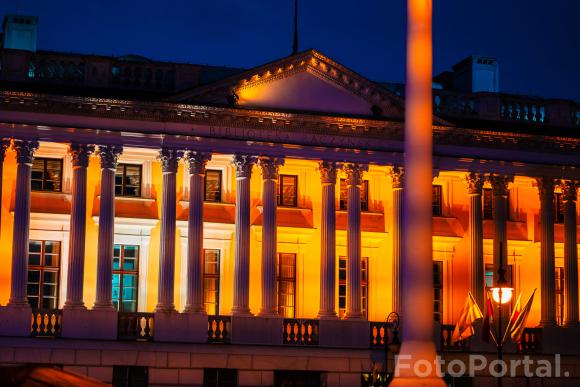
(300, 331)
(218, 329)
(135, 326)
(46, 323)
(507, 108)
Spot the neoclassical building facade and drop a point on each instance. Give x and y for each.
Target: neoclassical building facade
(184, 224)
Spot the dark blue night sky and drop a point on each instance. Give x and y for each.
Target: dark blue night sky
(537, 42)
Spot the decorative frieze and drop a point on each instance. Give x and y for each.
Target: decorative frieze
(244, 164)
(398, 177)
(270, 166)
(474, 182)
(196, 161)
(169, 159)
(25, 151)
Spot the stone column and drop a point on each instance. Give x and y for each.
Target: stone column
(24, 157)
(398, 178)
(269, 166)
(569, 190)
(4, 144)
(243, 165)
(80, 154)
(474, 183)
(328, 171)
(169, 159)
(547, 259)
(109, 155)
(499, 184)
(196, 162)
(354, 174)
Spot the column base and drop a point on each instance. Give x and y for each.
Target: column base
(180, 327)
(413, 355)
(107, 306)
(15, 320)
(327, 315)
(241, 312)
(162, 308)
(343, 333)
(193, 310)
(74, 306)
(89, 324)
(257, 330)
(548, 324)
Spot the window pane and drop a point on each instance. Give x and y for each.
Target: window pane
(364, 196)
(34, 253)
(211, 264)
(343, 194)
(436, 198)
(213, 182)
(288, 191)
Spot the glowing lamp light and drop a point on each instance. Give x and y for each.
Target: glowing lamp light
(501, 294)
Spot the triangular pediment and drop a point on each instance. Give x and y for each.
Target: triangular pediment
(307, 82)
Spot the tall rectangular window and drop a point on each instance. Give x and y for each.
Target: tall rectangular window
(286, 280)
(558, 207)
(46, 175)
(128, 180)
(43, 274)
(560, 295)
(342, 285)
(213, 186)
(288, 191)
(437, 200)
(488, 204)
(438, 291)
(125, 277)
(364, 195)
(211, 281)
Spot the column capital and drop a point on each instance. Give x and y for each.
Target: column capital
(4, 144)
(25, 151)
(499, 183)
(545, 187)
(354, 173)
(244, 164)
(569, 190)
(474, 182)
(328, 170)
(196, 161)
(169, 159)
(398, 176)
(109, 155)
(270, 166)
(80, 154)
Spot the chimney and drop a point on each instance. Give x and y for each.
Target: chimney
(19, 32)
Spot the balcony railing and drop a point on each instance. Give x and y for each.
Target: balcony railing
(46, 323)
(135, 326)
(300, 332)
(531, 340)
(446, 334)
(218, 329)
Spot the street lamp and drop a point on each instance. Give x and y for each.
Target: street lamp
(501, 294)
(394, 345)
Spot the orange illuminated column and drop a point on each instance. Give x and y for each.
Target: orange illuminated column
(416, 361)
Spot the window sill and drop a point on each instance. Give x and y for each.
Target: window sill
(185, 204)
(131, 199)
(52, 194)
(367, 213)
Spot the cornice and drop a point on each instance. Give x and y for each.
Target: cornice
(368, 128)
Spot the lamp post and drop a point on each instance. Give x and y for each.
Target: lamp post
(501, 294)
(394, 345)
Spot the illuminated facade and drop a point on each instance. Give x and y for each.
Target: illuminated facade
(296, 168)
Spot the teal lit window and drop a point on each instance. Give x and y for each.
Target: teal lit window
(125, 277)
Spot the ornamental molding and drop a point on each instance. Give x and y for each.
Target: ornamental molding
(328, 171)
(312, 62)
(80, 154)
(25, 151)
(474, 182)
(224, 122)
(398, 177)
(169, 159)
(354, 173)
(569, 190)
(270, 167)
(500, 183)
(109, 155)
(244, 164)
(196, 162)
